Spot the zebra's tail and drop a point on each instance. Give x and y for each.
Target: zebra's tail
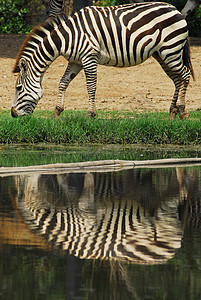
(187, 58)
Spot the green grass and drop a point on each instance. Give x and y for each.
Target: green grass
(74, 127)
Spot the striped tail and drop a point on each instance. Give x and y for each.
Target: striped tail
(187, 58)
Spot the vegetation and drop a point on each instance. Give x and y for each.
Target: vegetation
(108, 128)
(12, 16)
(16, 15)
(194, 22)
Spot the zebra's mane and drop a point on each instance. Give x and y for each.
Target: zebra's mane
(39, 30)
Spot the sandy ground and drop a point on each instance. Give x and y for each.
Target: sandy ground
(142, 88)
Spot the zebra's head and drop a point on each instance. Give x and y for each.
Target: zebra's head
(28, 90)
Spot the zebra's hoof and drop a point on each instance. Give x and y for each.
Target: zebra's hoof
(91, 114)
(55, 115)
(57, 112)
(173, 113)
(184, 115)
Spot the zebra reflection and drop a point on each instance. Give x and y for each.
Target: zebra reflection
(115, 215)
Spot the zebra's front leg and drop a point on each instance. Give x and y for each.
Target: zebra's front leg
(70, 73)
(90, 68)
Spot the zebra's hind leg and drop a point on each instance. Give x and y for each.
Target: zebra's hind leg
(181, 99)
(181, 80)
(181, 84)
(173, 106)
(70, 73)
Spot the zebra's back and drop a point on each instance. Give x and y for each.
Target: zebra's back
(127, 35)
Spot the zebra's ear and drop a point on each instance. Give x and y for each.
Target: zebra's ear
(23, 65)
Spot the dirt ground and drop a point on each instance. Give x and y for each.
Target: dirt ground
(141, 88)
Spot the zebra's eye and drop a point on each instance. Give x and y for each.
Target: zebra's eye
(19, 87)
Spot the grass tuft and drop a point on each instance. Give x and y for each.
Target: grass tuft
(74, 127)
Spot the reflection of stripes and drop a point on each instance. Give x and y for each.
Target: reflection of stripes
(108, 185)
(190, 212)
(118, 36)
(109, 228)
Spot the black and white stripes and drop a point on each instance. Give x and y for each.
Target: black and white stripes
(102, 215)
(119, 36)
(53, 7)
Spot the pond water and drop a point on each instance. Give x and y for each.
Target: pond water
(129, 234)
(46, 154)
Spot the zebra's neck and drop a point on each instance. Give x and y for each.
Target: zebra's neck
(43, 45)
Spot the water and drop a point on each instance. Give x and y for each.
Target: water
(131, 234)
(44, 154)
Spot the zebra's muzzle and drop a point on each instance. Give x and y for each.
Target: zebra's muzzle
(14, 113)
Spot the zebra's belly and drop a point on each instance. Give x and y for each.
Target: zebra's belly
(119, 62)
(110, 59)
(113, 62)
(134, 58)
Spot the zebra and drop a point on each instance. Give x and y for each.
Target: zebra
(189, 7)
(119, 36)
(53, 7)
(56, 8)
